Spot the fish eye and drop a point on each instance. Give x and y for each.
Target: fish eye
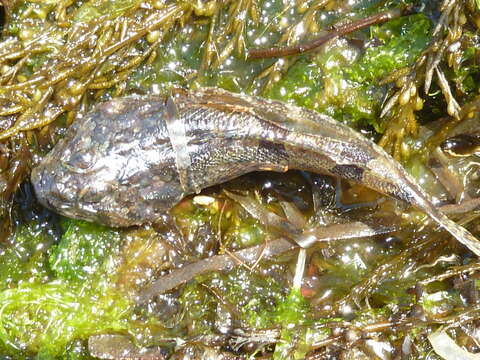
(80, 161)
(90, 195)
(63, 192)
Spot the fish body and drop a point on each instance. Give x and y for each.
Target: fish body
(131, 159)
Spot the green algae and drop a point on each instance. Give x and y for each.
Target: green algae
(71, 299)
(45, 318)
(344, 83)
(83, 250)
(25, 261)
(250, 294)
(403, 41)
(110, 9)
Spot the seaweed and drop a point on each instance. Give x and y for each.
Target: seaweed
(46, 318)
(83, 250)
(25, 260)
(448, 49)
(45, 308)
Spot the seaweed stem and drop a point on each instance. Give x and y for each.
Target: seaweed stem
(343, 30)
(250, 255)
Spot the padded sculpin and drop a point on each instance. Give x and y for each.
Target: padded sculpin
(131, 159)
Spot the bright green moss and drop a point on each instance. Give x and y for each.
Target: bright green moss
(403, 41)
(83, 250)
(343, 83)
(290, 314)
(287, 311)
(440, 302)
(467, 73)
(253, 295)
(244, 233)
(94, 9)
(45, 318)
(299, 85)
(293, 310)
(25, 260)
(323, 85)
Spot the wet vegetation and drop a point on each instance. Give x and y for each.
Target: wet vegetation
(221, 276)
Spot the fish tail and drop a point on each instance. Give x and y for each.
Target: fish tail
(417, 197)
(462, 235)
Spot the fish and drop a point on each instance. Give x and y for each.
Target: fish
(131, 159)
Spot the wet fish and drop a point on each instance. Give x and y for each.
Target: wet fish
(131, 159)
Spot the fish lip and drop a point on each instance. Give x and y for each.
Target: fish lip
(38, 181)
(43, 186)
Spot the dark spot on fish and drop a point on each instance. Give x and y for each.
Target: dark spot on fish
(356, 154)
(272, 148)
(350, 172)
(273, 155)
(400, 194)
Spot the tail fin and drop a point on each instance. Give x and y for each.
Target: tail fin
(457, 231)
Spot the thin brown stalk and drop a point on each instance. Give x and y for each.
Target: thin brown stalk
(343, 30)
(250, 255)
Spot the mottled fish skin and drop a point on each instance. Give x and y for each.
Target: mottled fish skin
(132, 159)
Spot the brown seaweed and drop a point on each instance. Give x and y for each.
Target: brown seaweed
(341, 31)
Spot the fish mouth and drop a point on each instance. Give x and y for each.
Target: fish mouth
(48, 189)
(63, 197)
(41, 185)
